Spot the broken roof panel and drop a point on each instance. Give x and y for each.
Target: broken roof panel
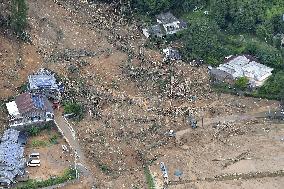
(156, 30)
(172, 54)
(43, 79)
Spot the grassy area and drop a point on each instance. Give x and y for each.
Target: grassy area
(44, 143)
(149, 178)
(39, 143)
(69, 174)
(36, 130)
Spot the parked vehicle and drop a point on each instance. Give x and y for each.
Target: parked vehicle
(34, 156)
(33, 163)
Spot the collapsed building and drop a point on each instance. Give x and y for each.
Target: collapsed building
(171, 54)
(167, 24)
(241, 66)
(29, 108)
(12, 162)
(44, 82)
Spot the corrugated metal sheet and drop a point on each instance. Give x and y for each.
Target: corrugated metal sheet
(12, 162)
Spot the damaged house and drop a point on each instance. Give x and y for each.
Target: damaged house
(12, 162)
(167, 24)
(44, 82)
(235, 67)
(171, 54)
(29, 108)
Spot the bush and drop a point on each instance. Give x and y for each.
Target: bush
(273, 87)
(149, 178)
(242, 83)
(74, 108)
(19, 16)
(53, 139)
(39, 143)
(266, 54)
(33, 130)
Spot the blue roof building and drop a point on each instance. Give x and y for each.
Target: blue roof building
(44, 82)
(12, 162)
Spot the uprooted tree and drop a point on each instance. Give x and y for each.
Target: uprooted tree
(19, 15)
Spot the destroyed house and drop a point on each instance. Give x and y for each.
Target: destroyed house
(29, 109)
(243, 66)
(12, 163)
(171, 54)
(168, 24)
(44, 82)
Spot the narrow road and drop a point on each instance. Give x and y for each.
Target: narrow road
(70, 136)
(210, 121)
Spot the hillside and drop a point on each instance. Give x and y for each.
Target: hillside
(130, 100)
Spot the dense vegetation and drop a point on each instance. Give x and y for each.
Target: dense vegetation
(74, 108)
(218, 28)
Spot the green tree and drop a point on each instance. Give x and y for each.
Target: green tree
(19, 15)
(267, 54)
(273, 87)
(242, 83)
(202, 41)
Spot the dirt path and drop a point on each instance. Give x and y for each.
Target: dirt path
(223, 119)
(237, 176)
(69, 134)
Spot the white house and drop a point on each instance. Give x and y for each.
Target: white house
(246, 66)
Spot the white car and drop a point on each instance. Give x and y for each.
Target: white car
(33, 163)
(34, 156)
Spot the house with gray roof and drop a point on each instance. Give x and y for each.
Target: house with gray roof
(12, 162)
(29, 108)
(168, 24)
(235, 67)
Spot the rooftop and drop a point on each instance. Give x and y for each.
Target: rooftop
(166, 18)
(156, 30)
(245, 66)
(43, 79)
(12, 162)
(26, 102)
